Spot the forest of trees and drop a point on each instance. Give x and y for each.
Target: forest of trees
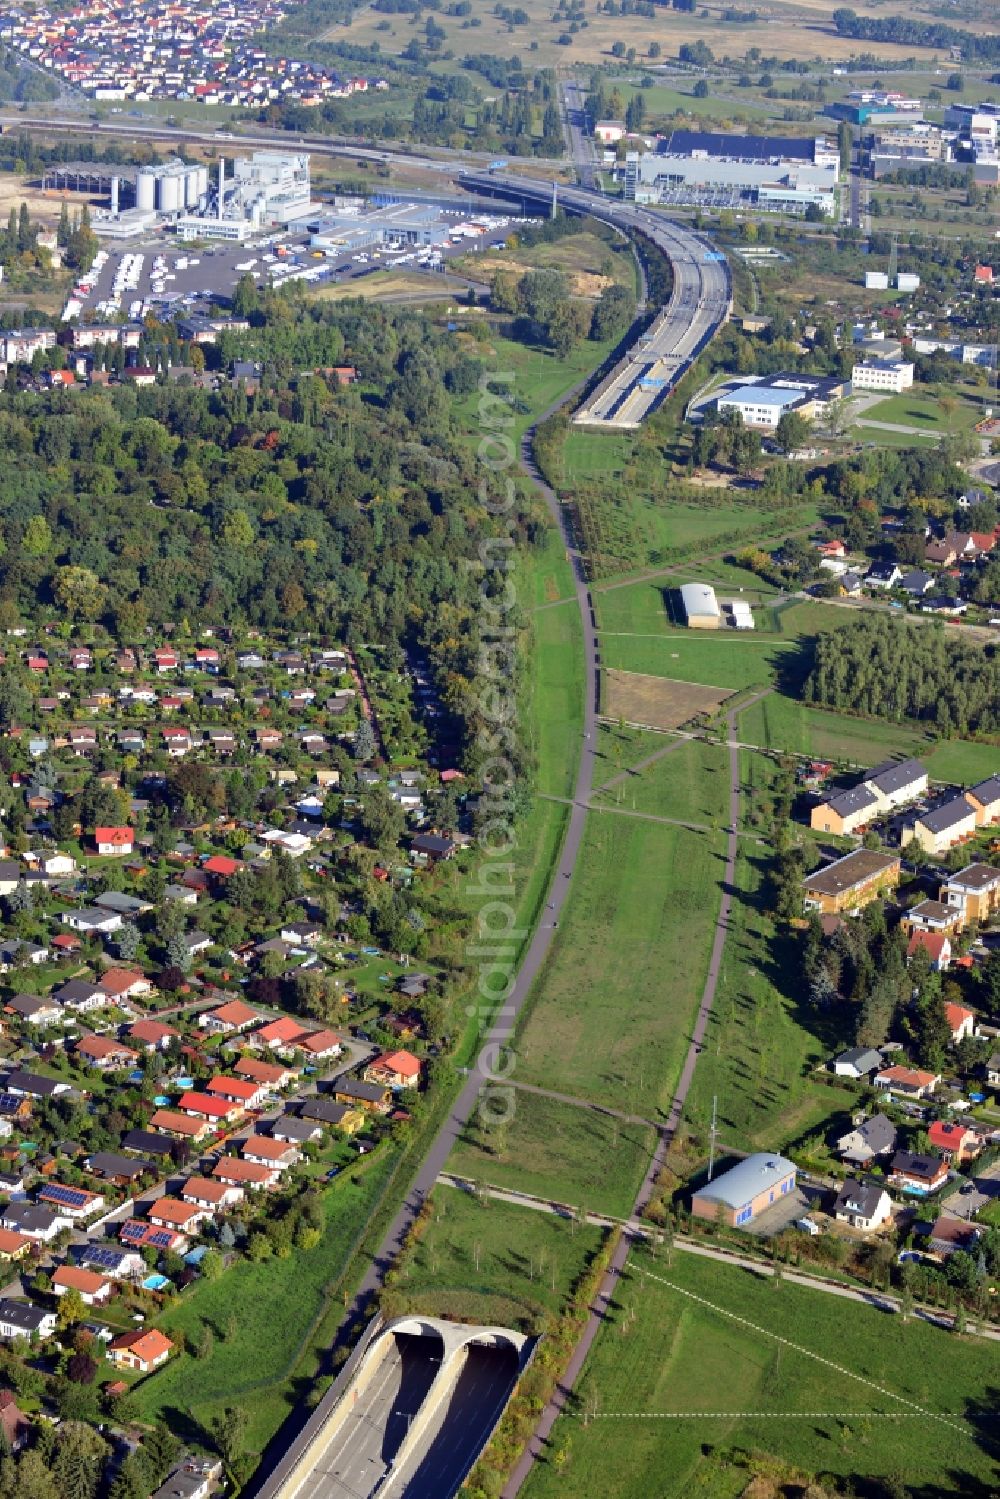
(888, 669)
(123, 508)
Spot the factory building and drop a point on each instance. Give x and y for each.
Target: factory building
(351, 227)
(784, 175)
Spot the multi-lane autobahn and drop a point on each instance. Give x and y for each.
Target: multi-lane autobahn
(699, 302)
(657, 359)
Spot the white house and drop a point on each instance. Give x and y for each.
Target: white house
(863, 1206)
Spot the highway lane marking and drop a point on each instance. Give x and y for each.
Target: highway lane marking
(807, 1352)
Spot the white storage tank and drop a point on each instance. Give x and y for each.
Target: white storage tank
(145, 189)
(191, 187)
(171, 193)
(202, 181)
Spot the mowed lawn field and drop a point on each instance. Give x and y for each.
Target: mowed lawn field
(777, 722)
(612, 1010)
(702, 1340)
(690, 781)
(492, 1262)
(763, 1038)
(561, 1152)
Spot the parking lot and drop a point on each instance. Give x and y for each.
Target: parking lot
(161, 274)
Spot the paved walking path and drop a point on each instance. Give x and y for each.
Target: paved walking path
(634, 1229)
(541, 941)
(641, 765)
(582, 1103)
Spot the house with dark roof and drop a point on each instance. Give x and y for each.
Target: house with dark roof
(917, 1174)
(896, 782)
(937, 831)
(847, 885)
(845, 811)
(867, 1141)
(863, 1205)
(857, 1061)
(985, 798)
(974, 892)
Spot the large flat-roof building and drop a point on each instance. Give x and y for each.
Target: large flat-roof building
(762, 400)
(780, 174)
(742, 1193)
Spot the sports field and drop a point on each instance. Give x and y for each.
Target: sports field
(709, 1380)
(612, 1009)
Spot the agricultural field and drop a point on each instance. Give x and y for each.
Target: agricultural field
(800, 31)
(560, 1152)
(711, 1344)
(487, 1261)
(655, 702)
(611, 1032)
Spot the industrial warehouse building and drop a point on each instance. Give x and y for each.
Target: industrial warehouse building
(779, 174)
(741, 1194)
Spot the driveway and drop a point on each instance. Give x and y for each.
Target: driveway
(968, 1204)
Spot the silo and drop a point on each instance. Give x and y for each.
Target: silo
(171, 196)
(145, 189)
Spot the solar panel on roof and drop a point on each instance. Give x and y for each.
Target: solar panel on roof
(162, 1239)
(107, 1257)
(71, 1197)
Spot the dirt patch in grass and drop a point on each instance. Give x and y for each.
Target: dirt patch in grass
(657, 702)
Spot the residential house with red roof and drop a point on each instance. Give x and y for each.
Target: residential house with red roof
(961, 1022)
(102, 1052)
(152, 1035)
(953, 1141)
(395, 1069)
(142, 1350)
(204, 1106)
(234, 1015)
(93, 1289)
(237, 1090)
(937, 946)
(114, 840)
(244, 1173)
